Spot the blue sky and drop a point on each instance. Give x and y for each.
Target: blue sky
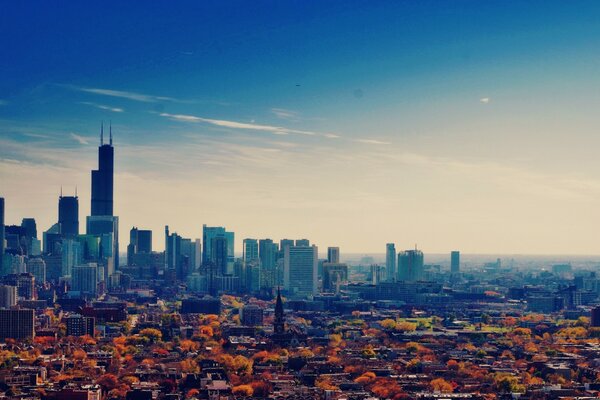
(463, 124)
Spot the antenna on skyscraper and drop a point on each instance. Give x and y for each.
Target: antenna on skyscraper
(60, 190)
(75, 190)
(101, 133)
(110, 129)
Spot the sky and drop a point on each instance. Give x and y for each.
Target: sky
(463, 125)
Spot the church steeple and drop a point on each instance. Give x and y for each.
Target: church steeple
(279, 322)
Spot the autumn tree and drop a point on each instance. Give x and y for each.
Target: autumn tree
(243, 390)
(441, 385)
(108, 382)
(154, 335)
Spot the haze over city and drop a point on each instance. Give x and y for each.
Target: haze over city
(351, 123)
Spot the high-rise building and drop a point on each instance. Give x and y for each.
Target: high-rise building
(410, 265)
(106, 227)
(333, 255)
(52, 239)
(140, 242)
(268, 262)
(250, 250)
(251, 315)
(85, 279)
(334, 275)
(455, 262)
(17, 324)
(8, 296)
(68, 215)
(2, 240)
(283, 243)
(390, 262)
(211, 232)
(179, 254)
(218, 254)
(197, 253)
(24, 282)
(37, 267)
(377, 274)
(78, 325)
(102, 221)
(252, 277)
(102, 178)
(29, 228)
(188, 254)
(144, 241)
(302, 242)
(300, 270)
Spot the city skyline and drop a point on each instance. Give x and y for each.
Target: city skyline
(476, 134)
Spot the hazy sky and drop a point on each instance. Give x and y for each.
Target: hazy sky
(456, 125)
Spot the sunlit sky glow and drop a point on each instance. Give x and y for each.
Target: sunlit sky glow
(456, 125)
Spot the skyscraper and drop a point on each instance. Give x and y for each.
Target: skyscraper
(102, 178)
(334, 275)
(30, 227)
(410, 265)
(140, 242)
(210, 232)
(102, 222)
(219, 254)
(268, 261)
(37, 267)
(68, 215)
(106, 227)
(455, 262)
(85, 279)
(178, 254)
(302, 242)
(250, 250)
(2, 240)
(197, 253)
(390, 262)
(300, 270)
(8, 296)
(333, 255)
(283, 243)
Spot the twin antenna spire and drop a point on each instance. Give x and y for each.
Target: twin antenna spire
(102, 133)
(61, 191)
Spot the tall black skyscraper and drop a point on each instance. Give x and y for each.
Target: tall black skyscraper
(68, 215)
(102, 178)
(1, 232)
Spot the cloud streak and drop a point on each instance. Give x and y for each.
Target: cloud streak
(80, 139)
(103, 107)
(135, 96)
(282, 113)
(275, 130)
(371, 141)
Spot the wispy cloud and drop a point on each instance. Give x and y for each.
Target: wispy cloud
(275, 130)
(135, 96)
(36, 135)
(485, 100)
(282, 113)
(371, 141)
(103, 107)
(80, 139)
